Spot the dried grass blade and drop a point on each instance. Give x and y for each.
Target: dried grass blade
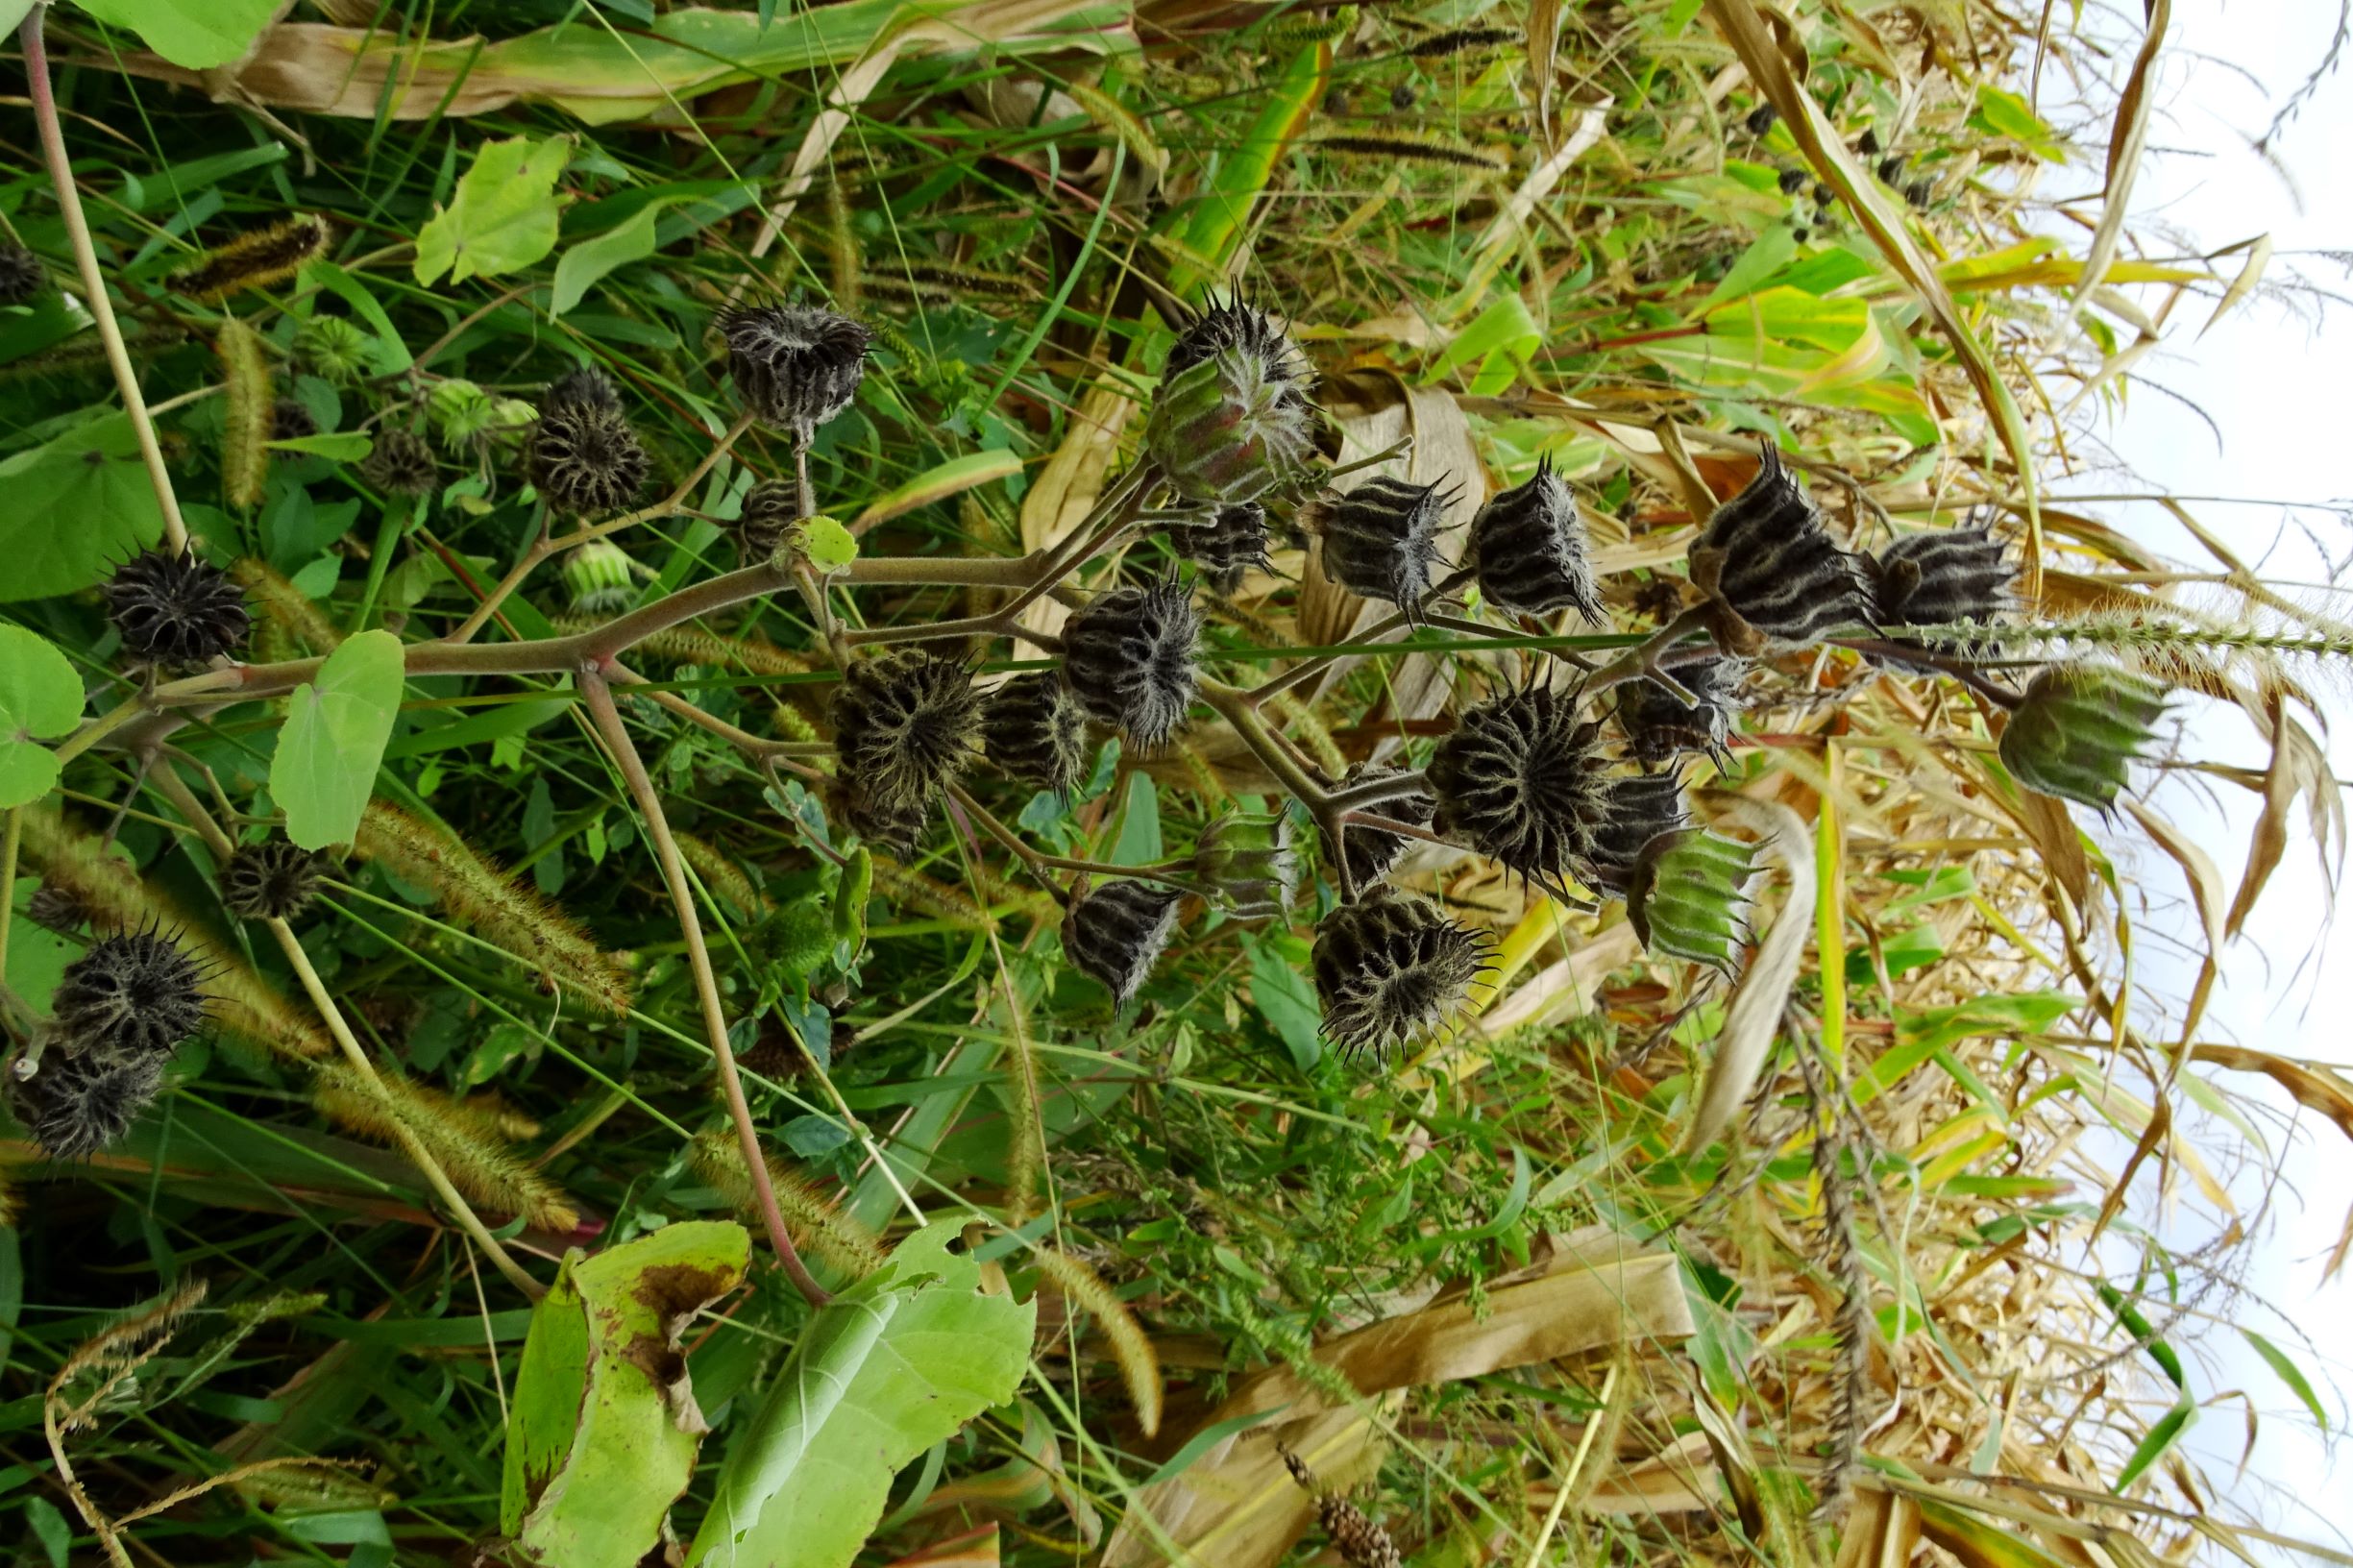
(1753, 1017)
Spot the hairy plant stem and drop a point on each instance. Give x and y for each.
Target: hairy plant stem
(1375, 792)
(597, 691)
(1400, 620)
(1240, 708)
(93, 281)
(167, 782)
(1167, 871)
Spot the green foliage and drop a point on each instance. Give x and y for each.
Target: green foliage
(337, 724)
(887, 1369)
(197, 34)
(90, 473)
(586, 262)
(40, 698)
(503, 215)
(604, 1429)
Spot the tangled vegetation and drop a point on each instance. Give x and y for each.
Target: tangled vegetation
(1041, 780)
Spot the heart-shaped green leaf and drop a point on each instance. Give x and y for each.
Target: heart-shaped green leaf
(40, 697)
(337, 728)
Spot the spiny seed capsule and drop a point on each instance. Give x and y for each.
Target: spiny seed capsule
(1528, 546)
(1390, 969)
(1381, 539)
(1230, 429)
(58, 907)
(1941, 576)
(175, 609)
(1129, 659)
(1793, 180)
(290, 420)
(1891, 168)
(1658, 725)
(1360, 1542)
(770, 512)
(401, 464)
(1776, 563)
(583, 457)
(1519, 781)
(1635, 809)
(78, 1105)
(273, 880)
(1868, 143)
(1920, 193)
(1117, 931)
(22, 277)
(904, 726)
(136, 994)
(1825, 196)
(1227, 542)
(1761, 119)
(331, 349)
(1369, 851)
(795, 367)
(601, 578)
(1237, 326)
(1034, 729)
(1246, 859)
(2079, 729)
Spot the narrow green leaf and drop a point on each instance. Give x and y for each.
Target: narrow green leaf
(601, 1436)
(333, 739)
(502, 216)
(586, 262)
(1287, 1003)
(343, 446)
(40, 698)
(897, 1362)
(2288, 1373)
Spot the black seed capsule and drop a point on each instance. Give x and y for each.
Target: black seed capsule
(1635, 809)
(1116, 930)
(175, 609)
(1381, 539)
(290, 420)
(59, 908)
(795, 367)
(1932, 577)
(1229, 542)
(1390, 969)
(78, 1105)
(1778, 566)
(1825, 196)
(1891, 168)
(1369, 851)
(1658, 724)
(905, 724)
(1519, 781)
(1034, 729)
(1401, 97)
(1920, 192)
(401, 464)
(1793, 180)
(1237, 326)
(22, 277)
(132, 995)
(1528, 546)
(1801, 235)
(1128, 657)
(273, 880)
(770, 512)
(1868, 143)
(1761, 119)
(582, 454)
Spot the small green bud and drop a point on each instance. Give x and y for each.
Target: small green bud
(1228, 430)
(460, 412)
(2079, 728)
(1248, 862)
(332, 348)
(1684, 898)
(601, 578)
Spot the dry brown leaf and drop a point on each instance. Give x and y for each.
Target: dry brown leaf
(2205, 890)
(2315, 1088)
(1752, 1017)
(2298, 767)
(1881, 1531)
(2124, 144)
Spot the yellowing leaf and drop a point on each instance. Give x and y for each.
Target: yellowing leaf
(502, 216)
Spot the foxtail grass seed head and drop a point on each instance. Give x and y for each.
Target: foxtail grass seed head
(1390, 969)
(1519, 780)
(1034, 729)
(401, 464)
(1369, 851)
(80, 1105)
(22, 277)
(332, 348)
(1684, 898)
(260, 259)
(905, 725)
(59, 908)
(769, 517)
(1778, 566)
(1129, 658)
(582, 454)
(1940, 576)
(1659, 725)
(134, 993)
(600, 577)
(1246, 859)
(1635, 809)
(1230, 429)
(290, 420)
(176, 609)
(1116, 932)
(795, 367)
(273, 880)
(1528, 546)
(1225, 543)
(2079, 730)
(1381, 539)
